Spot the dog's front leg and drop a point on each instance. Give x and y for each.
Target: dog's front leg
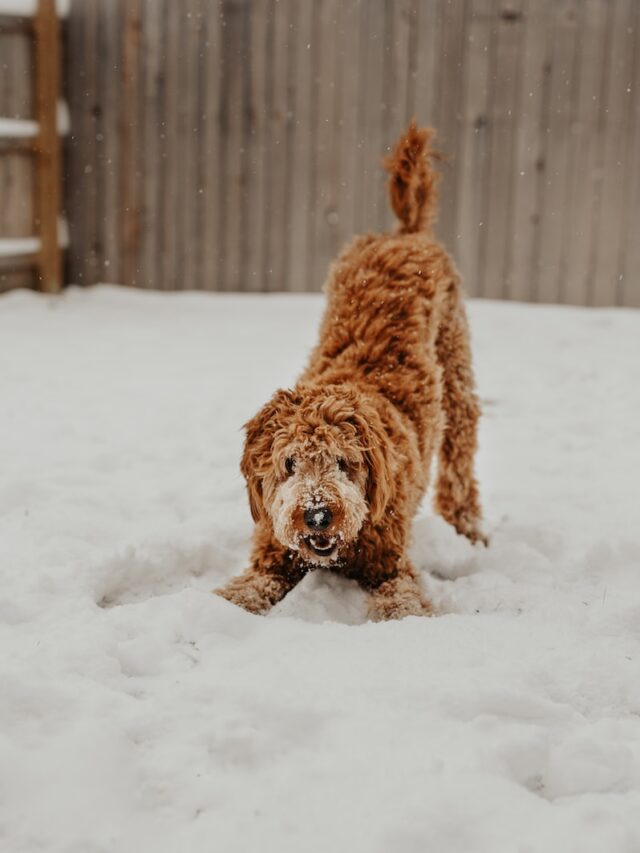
(271, 575)
(258, 589)
(398, 596)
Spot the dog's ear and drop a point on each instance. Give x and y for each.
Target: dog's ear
(256, 456)
(379, 456)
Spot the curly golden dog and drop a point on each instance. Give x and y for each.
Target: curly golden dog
(337, 466)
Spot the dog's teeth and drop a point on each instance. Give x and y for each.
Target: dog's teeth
(325, 547)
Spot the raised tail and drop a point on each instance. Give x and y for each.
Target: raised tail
(413, 180)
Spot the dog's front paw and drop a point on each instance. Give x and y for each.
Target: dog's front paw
(398, 598)
(258, 589)
(384, 610)
(244, 595)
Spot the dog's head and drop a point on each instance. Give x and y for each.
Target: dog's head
(318, 462)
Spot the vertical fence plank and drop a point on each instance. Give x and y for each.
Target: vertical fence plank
(212, 69)
(192, 127)
(151, 130)
(255, 129)
(503, 107)
(108, 149)
(629, 261)
(449, 109)
(302, 201)
(82, 201)
(599, 131)
(372, 210)
(129, 175)
(75, 87)
(181, 106)
(582, 165)
(230, 174)
(325, 146)
(428, 26)
(171, 152)
(616, 167)
(527, 155)
(349, 40)
(47, 79)
(279, 118)
(536, 257)
(400, 21)
(474, 143)
(557, 132)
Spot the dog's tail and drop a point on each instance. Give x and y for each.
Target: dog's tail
(413, 180)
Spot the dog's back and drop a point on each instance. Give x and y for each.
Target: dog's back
(395, 322)
(385, 292)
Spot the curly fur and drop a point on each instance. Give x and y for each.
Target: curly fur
(388, 387)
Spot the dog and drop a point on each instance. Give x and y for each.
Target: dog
(336, 467)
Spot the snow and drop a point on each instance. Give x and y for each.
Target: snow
(139, 712)
(11, 247)
(18, 128)
(28, 8)
(24, 128)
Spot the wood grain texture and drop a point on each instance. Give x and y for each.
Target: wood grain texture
(628, 291)
(617, 158)
(30, 169)
(211, 67)
(475, 136)
(505, 64)
(556, 132)
(236, 144)
(48, 174)
(326, 149)
(583, 161)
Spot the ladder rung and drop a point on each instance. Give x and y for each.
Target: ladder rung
(27, 9)
(17, 247)
(18, 128)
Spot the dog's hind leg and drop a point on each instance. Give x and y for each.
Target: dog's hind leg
(457, 499)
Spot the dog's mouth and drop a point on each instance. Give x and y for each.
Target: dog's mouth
(323, 546)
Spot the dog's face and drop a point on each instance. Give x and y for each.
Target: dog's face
(317, 465)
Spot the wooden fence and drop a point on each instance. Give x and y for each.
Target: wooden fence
(35, 142)
(236, 144)
(17, 176)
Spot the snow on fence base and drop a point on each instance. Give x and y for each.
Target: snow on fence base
(139, 712)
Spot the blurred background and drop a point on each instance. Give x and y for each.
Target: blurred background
(235, 145)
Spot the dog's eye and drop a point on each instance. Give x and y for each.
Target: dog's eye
(290, 465)
(343, 465)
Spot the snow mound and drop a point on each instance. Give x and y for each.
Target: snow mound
(139, 712)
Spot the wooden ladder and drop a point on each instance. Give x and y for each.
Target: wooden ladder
(41, 251)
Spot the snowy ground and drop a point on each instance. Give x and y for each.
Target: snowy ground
(140, 713)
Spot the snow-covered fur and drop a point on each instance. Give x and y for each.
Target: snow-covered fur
(337, 466)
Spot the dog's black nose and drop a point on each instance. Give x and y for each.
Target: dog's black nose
(318, 517)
